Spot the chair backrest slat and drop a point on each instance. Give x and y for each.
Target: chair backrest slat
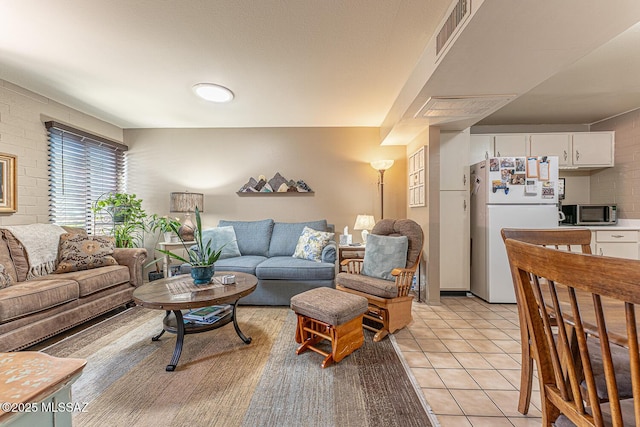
(585, 294)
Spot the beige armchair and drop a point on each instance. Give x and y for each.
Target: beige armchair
(389, 300)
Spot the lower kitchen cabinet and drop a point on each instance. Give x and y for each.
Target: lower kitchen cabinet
(616, 243)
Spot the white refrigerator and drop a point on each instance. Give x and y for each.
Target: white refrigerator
(507, 192)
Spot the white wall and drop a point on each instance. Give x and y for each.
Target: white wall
(334, 162)
(22, 133)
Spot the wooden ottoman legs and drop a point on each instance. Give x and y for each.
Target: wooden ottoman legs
(345, 338)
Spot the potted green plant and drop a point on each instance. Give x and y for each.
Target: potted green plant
(161, 226)
(164, 225)
(122, 216)
(201, 258)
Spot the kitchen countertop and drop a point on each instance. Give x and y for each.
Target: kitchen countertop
(623, 224)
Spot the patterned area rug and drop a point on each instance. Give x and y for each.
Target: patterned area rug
(221, 381)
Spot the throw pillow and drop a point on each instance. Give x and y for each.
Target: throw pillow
(383, 254)
(220, 236)
(311, 243)
(5, 278)
(77, 252)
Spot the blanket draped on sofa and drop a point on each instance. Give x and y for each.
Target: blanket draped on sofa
(40, 242)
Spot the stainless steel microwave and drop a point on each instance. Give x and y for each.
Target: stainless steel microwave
(589, 214)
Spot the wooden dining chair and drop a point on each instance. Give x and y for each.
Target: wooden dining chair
(569, 239)
(588, 295)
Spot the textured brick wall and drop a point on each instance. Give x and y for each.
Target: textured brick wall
(621, 184)
(22, 133)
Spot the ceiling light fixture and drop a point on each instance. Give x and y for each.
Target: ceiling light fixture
(213, 92)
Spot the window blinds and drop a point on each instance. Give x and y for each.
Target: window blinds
(82, 167)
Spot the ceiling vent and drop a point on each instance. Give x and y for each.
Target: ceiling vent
(459, 107)
(457, 16)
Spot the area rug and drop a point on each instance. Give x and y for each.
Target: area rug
(220, 381)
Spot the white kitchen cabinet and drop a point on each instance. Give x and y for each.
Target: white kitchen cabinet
(615, 243)
(551, 144)
(481, 148)
(454, 160)
(510, 145)
(454, 241)
(592, 149)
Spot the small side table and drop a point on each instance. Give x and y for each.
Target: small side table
(171, 246)
(35, 389)
(349, 252)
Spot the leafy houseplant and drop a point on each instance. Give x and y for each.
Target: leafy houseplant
(202, 258)
(123, 214)
(163, 224)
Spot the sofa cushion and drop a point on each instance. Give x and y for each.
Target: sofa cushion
(253, 237)
(5, 278)
(97, 279)
(383, 254)
(6, 261)
(18, 255)
(33, 296)
(311, 243)
(242, 264)
(77, 252)
(286, 234)
(224, 237)
(289, 268)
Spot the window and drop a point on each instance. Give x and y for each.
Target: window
(82, 167)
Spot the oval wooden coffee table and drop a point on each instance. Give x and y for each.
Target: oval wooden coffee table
(178, 293)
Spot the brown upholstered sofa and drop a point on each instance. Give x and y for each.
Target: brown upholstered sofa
(38, 308)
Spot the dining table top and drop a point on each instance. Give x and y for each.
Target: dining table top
(613, 310)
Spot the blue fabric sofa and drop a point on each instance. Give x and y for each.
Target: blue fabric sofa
(266, 249)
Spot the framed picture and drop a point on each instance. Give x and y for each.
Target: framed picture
(7, 183)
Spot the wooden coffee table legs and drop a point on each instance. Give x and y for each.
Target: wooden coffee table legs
(175, 324)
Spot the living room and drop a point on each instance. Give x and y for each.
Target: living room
(333, 157)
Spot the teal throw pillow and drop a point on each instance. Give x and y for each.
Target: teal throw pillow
(220, 236)
(311, 243)
(383, 254)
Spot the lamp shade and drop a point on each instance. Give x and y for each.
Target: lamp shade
(364, 222)
(381, 165)
(186, 202)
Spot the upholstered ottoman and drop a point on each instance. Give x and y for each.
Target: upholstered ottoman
(328, 314)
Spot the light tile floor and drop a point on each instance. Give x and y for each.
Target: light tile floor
(465, 355)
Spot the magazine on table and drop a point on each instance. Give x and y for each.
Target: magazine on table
(207, 313)
(210, 321)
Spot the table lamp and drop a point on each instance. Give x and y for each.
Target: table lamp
(186, 202)
(364, 223)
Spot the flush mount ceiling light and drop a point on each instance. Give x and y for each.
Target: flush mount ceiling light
(213, 92)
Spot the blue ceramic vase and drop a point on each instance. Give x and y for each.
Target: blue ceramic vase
(202, 274)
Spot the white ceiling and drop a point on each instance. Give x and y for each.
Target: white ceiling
(309, 63)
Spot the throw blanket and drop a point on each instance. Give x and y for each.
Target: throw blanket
(40, 242)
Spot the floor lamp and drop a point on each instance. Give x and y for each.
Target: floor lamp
(381, 166)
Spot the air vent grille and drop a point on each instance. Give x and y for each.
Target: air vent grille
(458, 14)
(462, 106)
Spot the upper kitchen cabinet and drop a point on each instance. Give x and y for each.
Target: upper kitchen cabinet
(454, 160)
(586, 150)
(593, 149)
(514, 145)
(481, 148)
(552, 144)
